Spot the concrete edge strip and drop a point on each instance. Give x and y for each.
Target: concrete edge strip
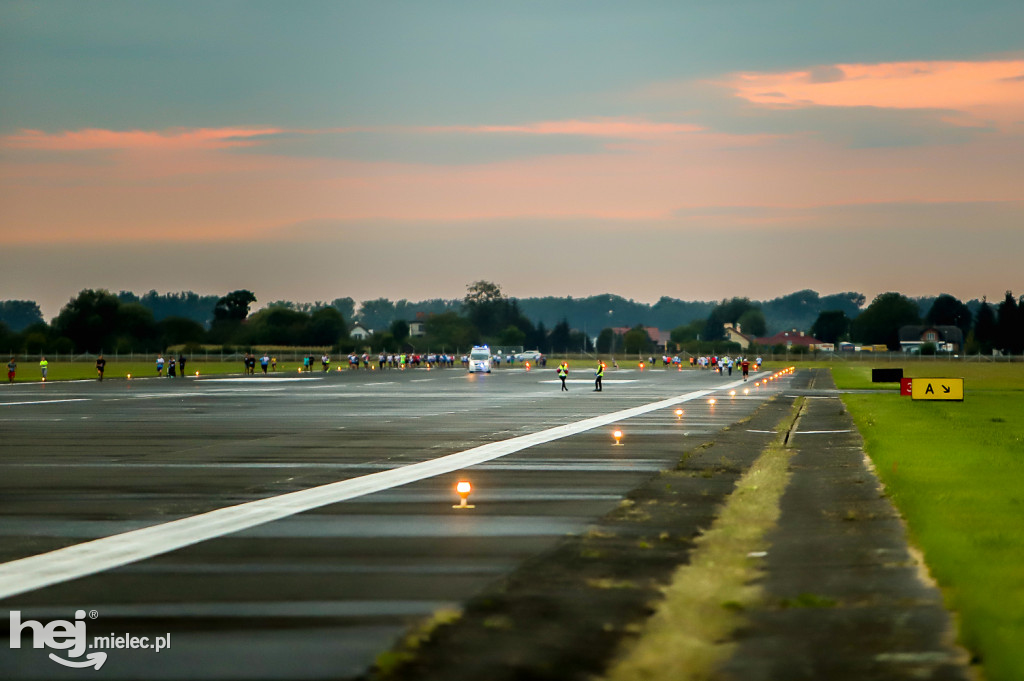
(98, 555)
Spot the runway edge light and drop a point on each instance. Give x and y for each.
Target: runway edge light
(463, 488)
(617, 434)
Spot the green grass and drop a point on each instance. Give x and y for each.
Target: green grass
(691, 630)
(955, 470)
(65, 371)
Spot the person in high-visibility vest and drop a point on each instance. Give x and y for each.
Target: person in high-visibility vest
(563, 373)
(43, 366)
(598, 375)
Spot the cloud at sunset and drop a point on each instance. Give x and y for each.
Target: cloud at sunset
(172, 140)
(982, 90)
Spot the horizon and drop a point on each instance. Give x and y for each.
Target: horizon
(261, 304)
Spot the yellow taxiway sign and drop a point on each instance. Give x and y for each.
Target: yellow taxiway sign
(937, 389)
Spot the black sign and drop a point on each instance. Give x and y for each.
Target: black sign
(886, 375)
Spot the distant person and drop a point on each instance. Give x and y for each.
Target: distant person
(745, 365)
(101, 365)
(12, 366)
(43, 366)
(181, 364)
(160, 365)
(171, 371)
(273, 363)
(325, 361)
(264, 362)
(306, 362)
(598, 375)
(563, 373)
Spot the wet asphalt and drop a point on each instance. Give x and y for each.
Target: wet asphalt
(318, 594)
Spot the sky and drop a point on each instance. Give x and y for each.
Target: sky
(316, 150)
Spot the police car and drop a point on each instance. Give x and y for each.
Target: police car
(480, 359)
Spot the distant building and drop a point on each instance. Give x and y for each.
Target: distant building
(945, 338)
(733, 334)
(794, 338)
(417, 329)
(359, 333)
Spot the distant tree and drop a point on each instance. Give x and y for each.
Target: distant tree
(831, 326)
(486, 306)
(234, 306)
(752, 323)
(179, 330)
(482, 293)
(560, 337)
(727, 312)
(949, 311)
(985, 328)
(681, 335)
(278, 324)
(579, 342)
(184, 304)
(376, 314)
(606, 341)
(881, 321)
(7, 340)
(136, 328)
(37, 338)
(512, 335)
(327, 327)
(346, 306)
(1009, 326)
(450, 332)
(90, 320)
(18, 315)
(538, 340)
(400, 330)
(637, 340)
(849, 302)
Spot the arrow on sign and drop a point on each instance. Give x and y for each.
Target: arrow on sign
(945, 388)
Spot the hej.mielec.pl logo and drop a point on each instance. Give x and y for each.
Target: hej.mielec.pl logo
(71, 637)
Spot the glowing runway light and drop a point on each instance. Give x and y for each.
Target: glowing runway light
(618, 436)
(129, 377)
(746, 391)
(732, 393)
(463, 488)
(679, 413)
(712, 401)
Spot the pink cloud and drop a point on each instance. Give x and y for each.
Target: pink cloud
(598, 127)
(175, 139)
(983, 89)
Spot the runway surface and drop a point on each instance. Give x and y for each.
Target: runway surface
(366, 540)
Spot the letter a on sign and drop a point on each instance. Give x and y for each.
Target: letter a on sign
(937, 389)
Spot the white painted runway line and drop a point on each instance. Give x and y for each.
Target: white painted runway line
(72, 562)
(261, 379)
(18, 404)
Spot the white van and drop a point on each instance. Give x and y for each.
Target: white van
(480, 359)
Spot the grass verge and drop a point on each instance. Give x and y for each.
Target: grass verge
(704, 602)
(955, 470)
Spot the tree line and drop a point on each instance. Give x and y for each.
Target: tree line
(97, 320)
